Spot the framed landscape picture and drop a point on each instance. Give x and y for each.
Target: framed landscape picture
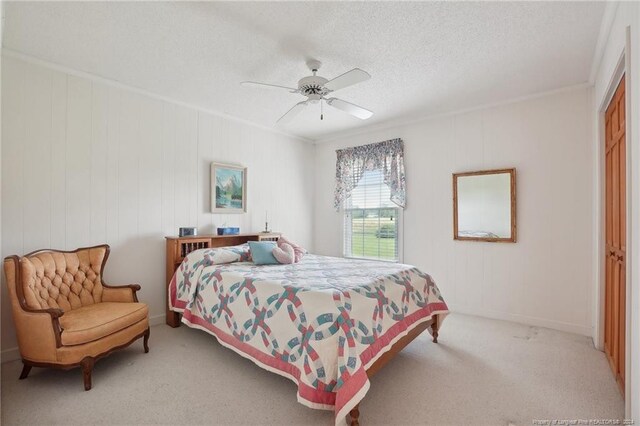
(228, 188)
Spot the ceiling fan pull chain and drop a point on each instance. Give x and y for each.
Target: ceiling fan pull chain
(321, 111)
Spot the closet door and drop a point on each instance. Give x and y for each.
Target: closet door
(615, 233)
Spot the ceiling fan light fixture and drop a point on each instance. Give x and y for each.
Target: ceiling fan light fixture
(315, 88)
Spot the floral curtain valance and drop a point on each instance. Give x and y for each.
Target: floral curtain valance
(387, 156)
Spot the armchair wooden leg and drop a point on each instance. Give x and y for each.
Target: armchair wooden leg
(25, 371)
(355, 414)
(145, 342)
(87, 366)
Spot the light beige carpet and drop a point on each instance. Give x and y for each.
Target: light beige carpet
(483, 372)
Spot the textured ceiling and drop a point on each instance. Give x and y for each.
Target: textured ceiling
(424, 58)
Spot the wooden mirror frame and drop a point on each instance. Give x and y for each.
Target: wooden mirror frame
(512, 172)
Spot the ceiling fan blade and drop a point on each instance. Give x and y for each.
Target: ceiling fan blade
(348, 107)
(267, 86)
(349, 78)
(289, 115)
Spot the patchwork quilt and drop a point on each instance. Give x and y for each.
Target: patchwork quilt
(320, 322)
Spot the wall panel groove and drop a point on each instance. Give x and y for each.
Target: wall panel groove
(86, 163)
(545, 278)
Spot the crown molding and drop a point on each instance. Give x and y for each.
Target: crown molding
(7, 52)
(611, 7)
(399, 123)
(10, 53)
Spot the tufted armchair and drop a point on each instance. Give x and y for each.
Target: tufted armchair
(65, 315)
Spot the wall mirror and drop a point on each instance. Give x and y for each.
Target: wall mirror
(484, 206)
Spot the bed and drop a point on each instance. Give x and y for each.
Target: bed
(326, 323)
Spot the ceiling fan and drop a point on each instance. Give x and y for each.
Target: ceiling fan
(316, 89)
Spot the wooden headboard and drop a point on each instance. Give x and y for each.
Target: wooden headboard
(179, 247)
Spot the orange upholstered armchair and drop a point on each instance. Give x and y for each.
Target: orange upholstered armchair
(65, 315)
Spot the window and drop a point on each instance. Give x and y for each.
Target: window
(372, 222)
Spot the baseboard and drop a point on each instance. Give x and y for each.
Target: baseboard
(521, 319)
(12, 354)
(157, 320)
(526, 320)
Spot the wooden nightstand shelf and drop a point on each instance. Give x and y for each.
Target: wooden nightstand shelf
(179, 247)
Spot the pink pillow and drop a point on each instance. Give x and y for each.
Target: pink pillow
(298, 250)
(284, 254)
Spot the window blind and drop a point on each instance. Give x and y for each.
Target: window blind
(371, 220)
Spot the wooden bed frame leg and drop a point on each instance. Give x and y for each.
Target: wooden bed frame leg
(173, 319)
(434, 329)
(355, 414)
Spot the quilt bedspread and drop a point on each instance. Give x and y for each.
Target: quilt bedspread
(320, 322)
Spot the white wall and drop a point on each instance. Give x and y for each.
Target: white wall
(85, 162)
(625, 17)
(543, 279)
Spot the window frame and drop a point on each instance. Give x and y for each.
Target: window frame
(399, 234)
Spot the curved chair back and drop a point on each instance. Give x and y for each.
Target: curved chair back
(62, 280)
